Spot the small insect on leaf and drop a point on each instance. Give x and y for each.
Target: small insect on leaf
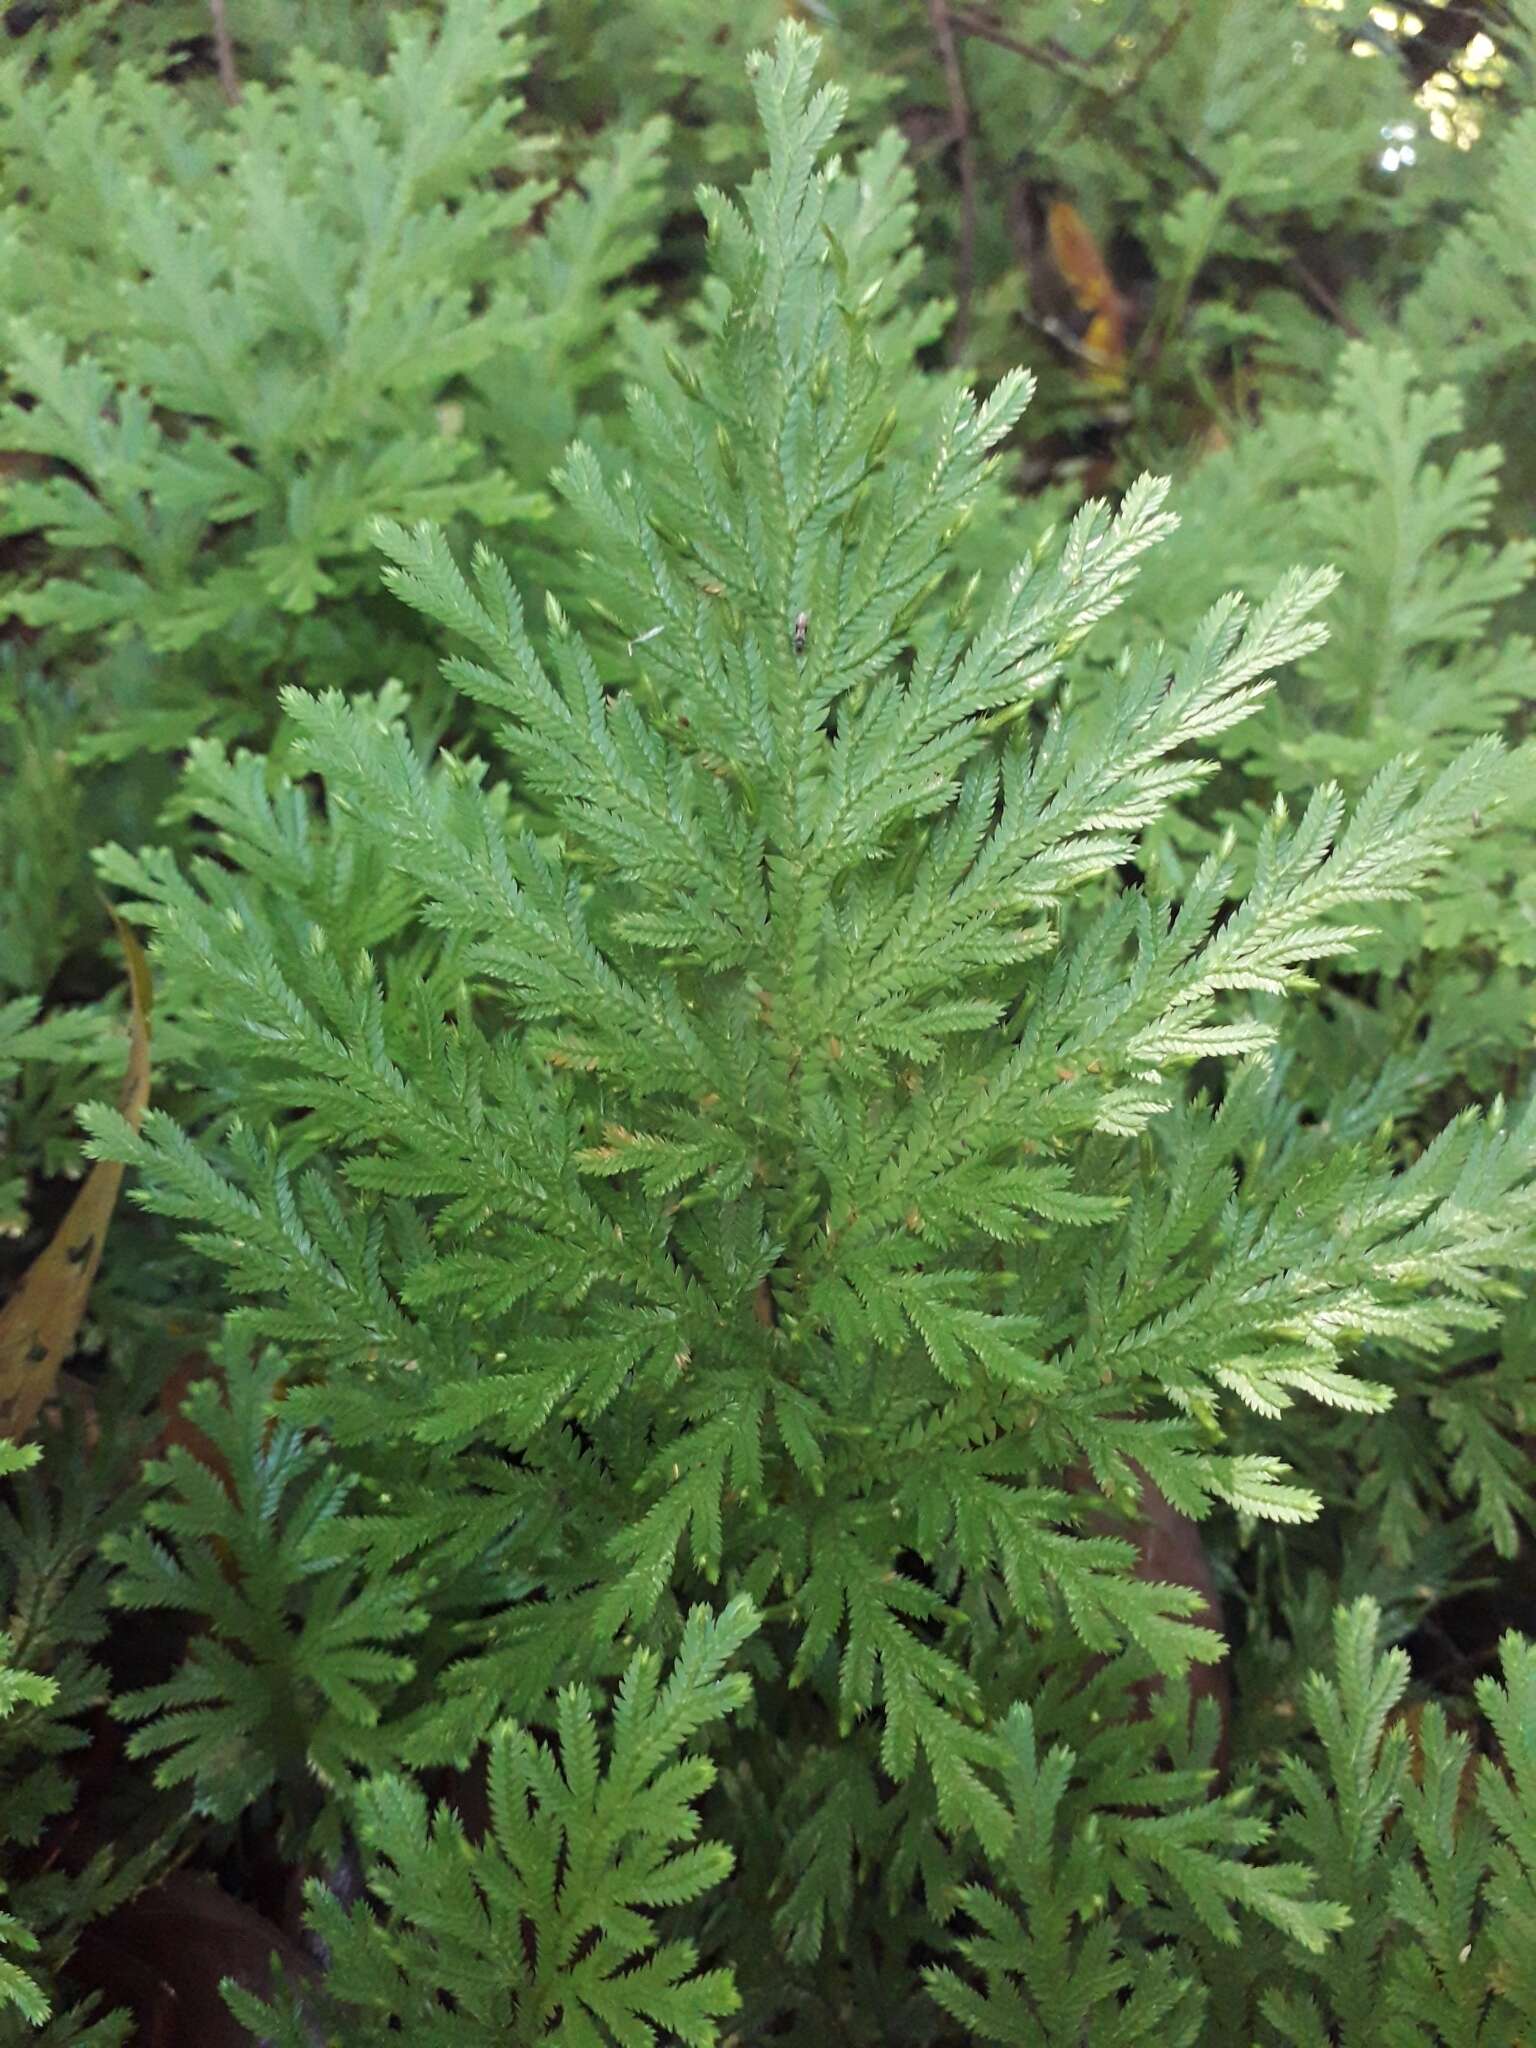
(802, 630)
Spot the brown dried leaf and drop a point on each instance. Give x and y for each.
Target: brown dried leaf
(1171, 1551)
(176, 1429)
(1081, 264)
(165, 1953)
(39, 1322)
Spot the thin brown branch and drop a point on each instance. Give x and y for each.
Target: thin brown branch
(1051, 55)
(1064, 338)
(224, 53)
(1305, 276)
(1314, 288)
(965, 149)
(1172, 29)
(1017, 201)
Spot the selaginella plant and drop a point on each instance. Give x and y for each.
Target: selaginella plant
(779, 1187)
(237, 340)
(1423, 654)
(234, 336)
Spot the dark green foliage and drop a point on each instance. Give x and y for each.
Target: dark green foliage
(1088, 1874)
(53, 1583)
(546, 1925)
(1433, 1848)
(285, 1686)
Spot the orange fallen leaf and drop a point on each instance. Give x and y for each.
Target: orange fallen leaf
(1087, 275)
(39, 1322)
